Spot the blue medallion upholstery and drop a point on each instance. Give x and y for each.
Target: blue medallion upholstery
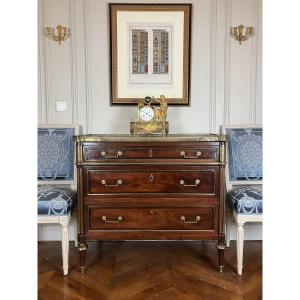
(55, 164)
(246, 200)
(245, 164)
(55, 201)
(244, 153)
(55, 153)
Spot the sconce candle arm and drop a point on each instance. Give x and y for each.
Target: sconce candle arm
(62, 35)
(242, 33)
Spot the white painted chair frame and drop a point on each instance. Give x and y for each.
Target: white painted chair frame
(64, 221)
(240, 219)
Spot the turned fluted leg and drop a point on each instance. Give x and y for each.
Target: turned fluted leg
(82, 250)
(228, 228)
(75, 228)
(65, 246)
(221, 248)
(240, 246)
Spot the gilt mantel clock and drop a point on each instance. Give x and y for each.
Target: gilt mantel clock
(151, 119)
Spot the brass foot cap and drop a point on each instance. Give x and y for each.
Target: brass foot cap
(82, 270)
(221, 269)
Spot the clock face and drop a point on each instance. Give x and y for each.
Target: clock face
(146, 113)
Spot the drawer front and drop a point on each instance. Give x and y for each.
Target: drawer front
(192, 218)
(108, 152)
(109, 181)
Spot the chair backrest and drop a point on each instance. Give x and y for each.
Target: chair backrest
(244, 155)
(56, 157)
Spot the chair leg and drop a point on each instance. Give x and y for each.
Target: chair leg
(240, 246)
(65, 246)
(75, 228)
(228, 228)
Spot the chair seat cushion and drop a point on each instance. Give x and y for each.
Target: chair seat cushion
(246, 200)
(55, 201)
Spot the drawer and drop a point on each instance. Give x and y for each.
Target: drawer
(108, 152)
(200, 180)
(192, 218)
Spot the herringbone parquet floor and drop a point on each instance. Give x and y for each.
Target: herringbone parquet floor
(150, 270)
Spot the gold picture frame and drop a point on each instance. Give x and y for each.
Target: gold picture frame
(150, 52)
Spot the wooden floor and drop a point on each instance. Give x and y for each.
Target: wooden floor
(150, 270)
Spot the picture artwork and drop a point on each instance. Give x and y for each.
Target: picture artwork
(150, 52)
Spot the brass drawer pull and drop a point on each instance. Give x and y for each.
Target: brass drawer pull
(182, 218)
(119, 153)
(119, 219)
(119, 182)
(198, 153)
(197, 182)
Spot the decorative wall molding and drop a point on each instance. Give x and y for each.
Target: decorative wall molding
(258, 98)
(213, 70)
(227, 62)
(253, 62)
(88, 66)
(73, 54)
(41, 71)
(47, 66)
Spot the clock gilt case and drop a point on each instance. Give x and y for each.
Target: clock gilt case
(150, 188)
(151, 119)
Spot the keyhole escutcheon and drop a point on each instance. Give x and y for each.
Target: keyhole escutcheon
(151, 177)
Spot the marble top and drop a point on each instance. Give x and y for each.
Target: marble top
(135, 138)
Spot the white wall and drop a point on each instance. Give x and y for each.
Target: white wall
(226, 85)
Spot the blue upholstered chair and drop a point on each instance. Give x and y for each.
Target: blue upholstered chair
(243, 181)
(57, 181)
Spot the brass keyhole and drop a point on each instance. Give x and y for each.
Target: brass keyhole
(151, 177)
(151, 212)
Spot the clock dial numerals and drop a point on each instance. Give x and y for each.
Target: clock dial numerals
(146, 113)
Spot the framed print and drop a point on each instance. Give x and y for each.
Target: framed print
(150, 52)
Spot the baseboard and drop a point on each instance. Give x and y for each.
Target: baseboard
(48, 232)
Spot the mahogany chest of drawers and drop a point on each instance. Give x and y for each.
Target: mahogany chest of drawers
(150, 188)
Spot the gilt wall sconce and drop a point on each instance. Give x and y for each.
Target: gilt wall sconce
(242, 33)
(62, 33)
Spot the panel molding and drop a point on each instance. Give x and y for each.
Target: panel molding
(47, 65)
(253, 63)
(74, 69)
(227, 62)
(213, 70)
(42, 119)
(88, 68)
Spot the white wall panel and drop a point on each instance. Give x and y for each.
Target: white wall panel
(225, 83)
